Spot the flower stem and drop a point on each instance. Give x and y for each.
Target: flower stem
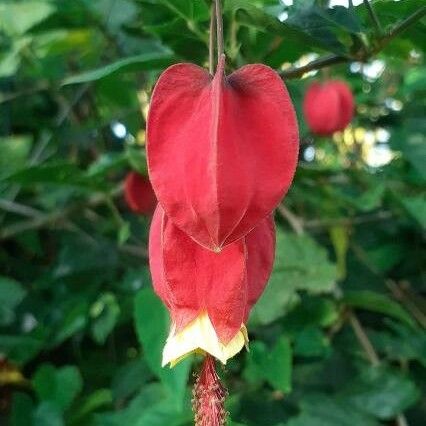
(373, 17)
(212, 37)
(219, 29)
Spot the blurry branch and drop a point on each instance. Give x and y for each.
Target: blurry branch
(356, 220)
(382, 42)
(136, 251)
(394, 288)
(56, 216)
(411, 306)
(295, 223)
(296, 72)
(7, 97)
(402, 26)
(21, 209)
(298, 224)
(371, 354)
(45, 138)
(364, 341)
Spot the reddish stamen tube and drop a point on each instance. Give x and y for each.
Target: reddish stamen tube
(209, 396)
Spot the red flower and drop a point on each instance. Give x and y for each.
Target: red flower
(328, 107)
(207, 290)
(222, 152)
(139, 194)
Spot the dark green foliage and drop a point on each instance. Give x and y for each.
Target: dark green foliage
(337, 338)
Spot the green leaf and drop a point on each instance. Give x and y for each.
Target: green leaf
(249, 15)
(386, 256)
(106, 164)
(152, 326)
(345, 17)
(151, 407)
(187, 9)
(124, 233)
(401, 343)
(376, 302)
(105, 313)
(143, 62)
(64, 174)
(312, 311)
(321, 410)
(9, 62)
(47, 414)
(411, 141)
(416, 207)
(137, 159)
(311, 342)
(318, 26)
(59, 386)
(15, 151)
(11, 294)
(340, 239)
(274, 365)
(381, 392)
(18, 17)
(22, 409)
(21, 348)
(304, 264)
(74, 320)
(300, 264)
(97, 399)
(129, 379)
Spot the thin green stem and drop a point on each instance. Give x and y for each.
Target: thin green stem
(404, 25)
(219, 28)
(114, 211)
(374, 18)
(296, 72)
(212, 37)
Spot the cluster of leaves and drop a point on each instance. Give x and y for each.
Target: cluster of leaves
(338, 337)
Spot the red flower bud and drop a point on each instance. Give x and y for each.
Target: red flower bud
(328, 107)
(222, 151)
(139, 194)
(192, 280)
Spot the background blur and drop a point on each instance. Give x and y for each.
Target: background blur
(338, 337)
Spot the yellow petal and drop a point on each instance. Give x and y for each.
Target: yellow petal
(200, 336)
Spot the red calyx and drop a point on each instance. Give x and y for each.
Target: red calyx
(139, 194)
(328, 107)
(191, 279)
(222, 151)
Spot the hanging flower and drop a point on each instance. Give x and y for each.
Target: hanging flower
(209, 295)
(222, 151)
(139, 194)
(328, 107)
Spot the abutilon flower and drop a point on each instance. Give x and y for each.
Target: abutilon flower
(209, 295)
(139, 194)
(222, 150)
(328, 107)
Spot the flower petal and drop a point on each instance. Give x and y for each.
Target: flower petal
(221, 153)
(200, 335)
